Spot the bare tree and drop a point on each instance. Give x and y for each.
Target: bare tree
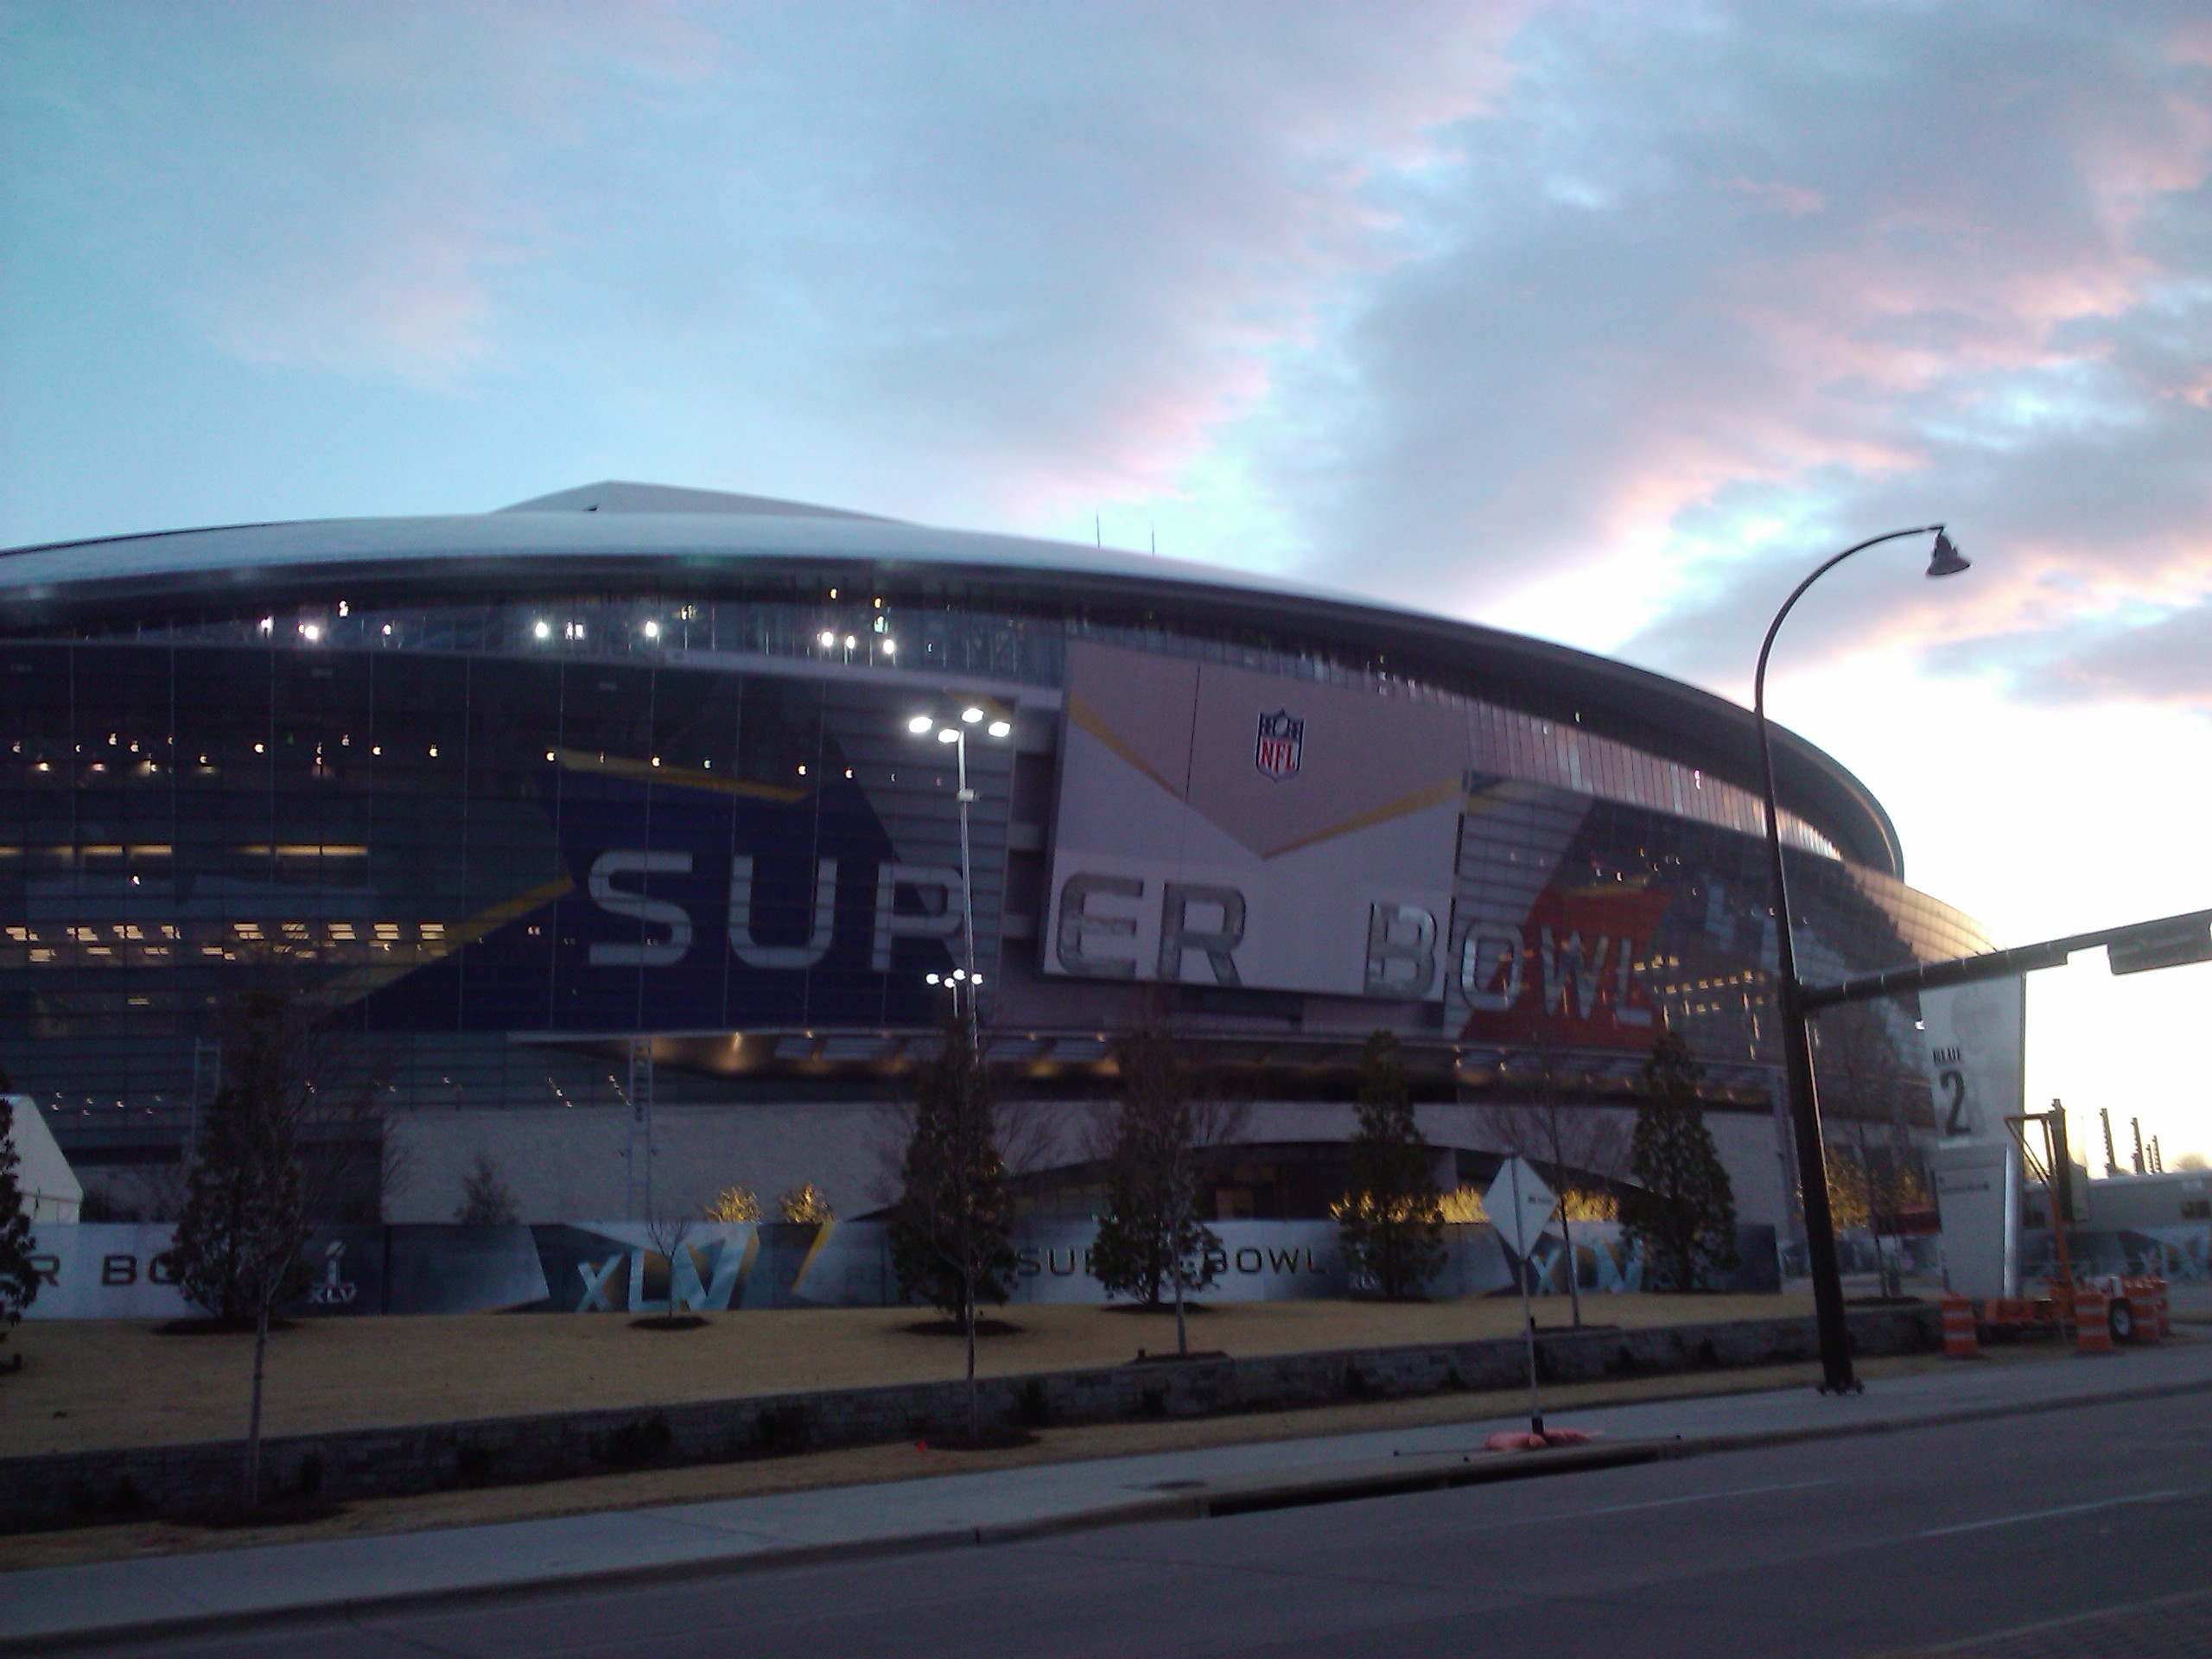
(666, 1235)
(1860, 1084)
(280, 1143)
(1152, 1141)
(485, 1199)
(1574, 1142)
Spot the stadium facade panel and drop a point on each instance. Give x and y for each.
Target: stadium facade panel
(602, 827)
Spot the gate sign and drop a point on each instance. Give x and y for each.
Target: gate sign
(1973, 1044)
(1519, 1205)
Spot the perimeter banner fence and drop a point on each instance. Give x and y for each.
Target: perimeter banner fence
(111, 1270)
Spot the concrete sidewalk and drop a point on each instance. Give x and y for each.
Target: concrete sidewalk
(115, 1599)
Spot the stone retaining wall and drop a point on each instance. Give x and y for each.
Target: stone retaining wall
(58, 1488)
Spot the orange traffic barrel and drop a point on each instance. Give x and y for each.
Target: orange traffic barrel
(2092, 1323)
(2142, 1298)
(1960, 1341)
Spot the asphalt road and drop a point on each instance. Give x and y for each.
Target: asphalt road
(2084, 1533)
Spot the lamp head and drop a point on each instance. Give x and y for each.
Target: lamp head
(1946, 560)
(948, 734)
(970, 715)
(920, 725)
(1000, 728)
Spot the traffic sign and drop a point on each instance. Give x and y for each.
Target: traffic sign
(1519, 1204)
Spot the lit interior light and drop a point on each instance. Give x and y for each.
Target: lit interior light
(978, 979)
(949, 734)
(343, 609)
(387, 630)
(541, 630)
(970, 715)
(827, 640)
(891, 647)
(548, 755)
(312, 630)
(960, 973)
(850, 642)
(258, 748)
(919, 724)
(929, 979)
(652, 629)
(999, 727)
(656, 759)
(267, 623)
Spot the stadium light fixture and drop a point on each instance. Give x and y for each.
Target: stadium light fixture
(652, 629)
(951, 734)
(999, 728)
(1837, 1375)
(920, 725)
(970, 715)
(890, 647)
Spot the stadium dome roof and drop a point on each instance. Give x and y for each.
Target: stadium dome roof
(676, 540)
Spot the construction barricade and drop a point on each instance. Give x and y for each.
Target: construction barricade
(2092, 1322)
(1960, 1340)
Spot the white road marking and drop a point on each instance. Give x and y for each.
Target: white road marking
(2047, 1515)
(1696, 1498)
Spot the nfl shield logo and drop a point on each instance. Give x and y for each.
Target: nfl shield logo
(1281, 740)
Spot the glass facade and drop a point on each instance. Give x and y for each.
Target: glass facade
(505, 840)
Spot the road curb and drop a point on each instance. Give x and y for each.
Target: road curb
(1343, 1484)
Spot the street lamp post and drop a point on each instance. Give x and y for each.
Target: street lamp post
(1837, 1376)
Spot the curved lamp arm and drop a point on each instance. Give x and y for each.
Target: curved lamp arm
(1947, 562)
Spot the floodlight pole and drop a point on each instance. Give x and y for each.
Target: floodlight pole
(955, 731)
(1837, 1375)
(966, 797)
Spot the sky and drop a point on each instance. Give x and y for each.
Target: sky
(1603, 322)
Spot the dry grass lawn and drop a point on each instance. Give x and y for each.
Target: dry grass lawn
(89, 1385)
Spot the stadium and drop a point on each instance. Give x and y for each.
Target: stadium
(619, 829)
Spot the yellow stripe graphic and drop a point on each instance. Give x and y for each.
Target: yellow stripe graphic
(644, 771)
(360, 982)
(1435, 795)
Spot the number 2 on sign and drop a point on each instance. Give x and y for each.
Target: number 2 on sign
(1955, 1124)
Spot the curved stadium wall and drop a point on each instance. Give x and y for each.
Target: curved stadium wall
(607, 840)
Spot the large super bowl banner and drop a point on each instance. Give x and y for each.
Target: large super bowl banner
(1218, 826)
